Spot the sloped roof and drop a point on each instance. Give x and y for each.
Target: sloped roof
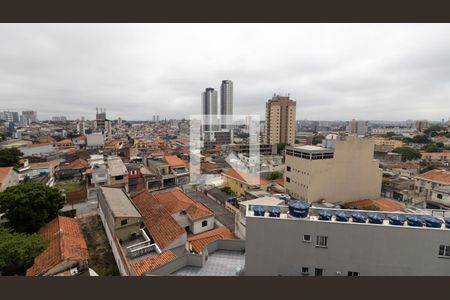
(64, 142)
(79, 163)
(152, 262)
(383, 204)
(46, 139)
(66, 243)
(235, 175)
(201, 240)
(175, 201)
(4, 171)
(441, 176)
(45, 164)
(174, 161)
(158, 221)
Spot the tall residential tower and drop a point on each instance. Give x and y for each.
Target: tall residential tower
(226, 103)
(209, 110)
(280, 120)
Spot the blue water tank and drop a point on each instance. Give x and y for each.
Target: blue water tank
(397, 219)
(359, 217)
(375, 218)
(274, 212)
(433, 222)
(298, 208)
(259, 211)
(325, 215)
(447, 222)
(342, 216)
(415, 221)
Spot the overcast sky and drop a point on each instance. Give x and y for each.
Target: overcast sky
(135, 71)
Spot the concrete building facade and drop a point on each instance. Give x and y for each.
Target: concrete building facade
(226, 103)
(288, 246)
(342, 171)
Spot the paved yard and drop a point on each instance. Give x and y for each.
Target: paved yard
(222, 215)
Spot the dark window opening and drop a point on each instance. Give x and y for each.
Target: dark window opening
(205, 223)
(123, 222)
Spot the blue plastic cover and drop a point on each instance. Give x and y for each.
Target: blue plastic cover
(274, 212)
(359, 217)
(298, 208)
(325, 215)
(433, 222)
(341, 216)
(415, 221)
(375, 218)
(397, 219)
(258, 211)
(447, 222)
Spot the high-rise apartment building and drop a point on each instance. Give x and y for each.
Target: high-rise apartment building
(280, 120)
(226, 103)
(357, 127)
(59, 119)
(30, 116)
(102, 124)
(340, 171)
(421, 125)
(209, 110)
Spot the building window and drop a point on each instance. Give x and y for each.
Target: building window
(444, 250)
(288, 168)
(318, 272)
(241, 184)
(321, 241)
(288, 179)
(307, 238)
(439, 196)
(350, 273)
(305, 271)
(205, 223)
(120, 177)
(123, 222)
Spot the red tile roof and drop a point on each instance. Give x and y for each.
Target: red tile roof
(174, 161)
(66, 243)
(199, 241)
(158, 221)
(45, 164)
(441, 176)
(152, 262)
(4, 171)
(46, 139)
(38, 145)
(79, 163)
(175, 201)
(65, 142)
(235, 175)
(383, 204)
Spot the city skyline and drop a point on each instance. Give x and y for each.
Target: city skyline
(361, 71)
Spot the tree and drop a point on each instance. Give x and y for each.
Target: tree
(433, 128)
(431, 148)
(275, 175)
(29, 206)
(228, 190)
(317, 139)
(389, 134)
(9, 157)
(408, 153)
(420, 139)
(2, 137)
(18, 250)
(281, 147)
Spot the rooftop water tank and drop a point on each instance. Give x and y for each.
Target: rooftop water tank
(325, 215)
(298, 208)
(259, 211)
(375, 218)
(397, 220)
(342, 216)
(433, 222)
(358, 217)
(414, 221)
(274, 212)
(447, 222)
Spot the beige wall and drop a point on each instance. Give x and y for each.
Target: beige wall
(387, 142)
(352, 175)
(123, 232)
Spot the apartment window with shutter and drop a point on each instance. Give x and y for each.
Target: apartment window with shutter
(307, 238)
(321, 241)
(288, 179)
(305, 271)
(318, 272)
(350, 273)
